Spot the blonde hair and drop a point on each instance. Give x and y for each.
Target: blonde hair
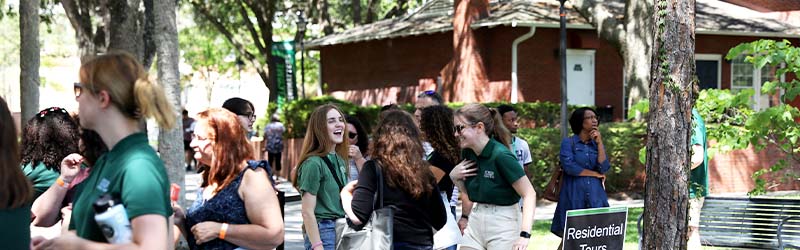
(491, 119)
(128, 86)
(317, 141)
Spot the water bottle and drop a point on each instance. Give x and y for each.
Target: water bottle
(113, 220)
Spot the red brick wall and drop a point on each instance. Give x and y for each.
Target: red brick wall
(732, 172)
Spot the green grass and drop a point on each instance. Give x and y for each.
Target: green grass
(543, 239)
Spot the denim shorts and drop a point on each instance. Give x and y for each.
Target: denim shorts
(327, 233)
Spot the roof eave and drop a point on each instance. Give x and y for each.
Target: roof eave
(746, 33)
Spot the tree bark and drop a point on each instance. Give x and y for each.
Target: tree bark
(29, 58)
(327, 24)
(669, 126)
(465, 70)
(124, 29)
(629, 35)
(170, 140)
(372, 10)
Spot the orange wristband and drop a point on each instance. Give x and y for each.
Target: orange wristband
(61, 183)
(222, 231)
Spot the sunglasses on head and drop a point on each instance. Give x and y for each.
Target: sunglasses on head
(427, 93)
(352, 135)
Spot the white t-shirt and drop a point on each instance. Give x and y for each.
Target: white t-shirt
(521, 151)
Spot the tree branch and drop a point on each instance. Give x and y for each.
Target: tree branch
(79, 22)
(253, 32)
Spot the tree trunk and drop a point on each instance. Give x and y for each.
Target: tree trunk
(170, 140)
(327, 24)
(669, 126)
(123, 27)
(372, 10)
(465, 70)
(29, 58)
(637, 49)
(355, 7)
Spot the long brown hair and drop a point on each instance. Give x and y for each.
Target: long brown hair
(229, 144)
(15, 190)
(491, 119)
(397, 147)
(317, 140)
(437, 124)
(129, 87)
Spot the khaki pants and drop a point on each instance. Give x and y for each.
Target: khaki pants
(492, 227)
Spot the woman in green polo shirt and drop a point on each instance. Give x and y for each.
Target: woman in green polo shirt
(114, 94)
(491, 183)
(15, 190)
(321, 176)
(49, 136)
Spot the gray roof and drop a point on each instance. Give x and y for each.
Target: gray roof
(434, 16)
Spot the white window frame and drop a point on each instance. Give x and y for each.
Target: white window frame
(712, 57)
(756, 83)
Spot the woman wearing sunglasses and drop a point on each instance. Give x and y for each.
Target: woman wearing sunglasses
(114, 95)
(359, 143)
(492, 182)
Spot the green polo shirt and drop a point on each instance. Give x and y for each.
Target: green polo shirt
(498, 169)
(132, 172)
(16, 231)
(41, 177)
(698, 181)
(315, 178)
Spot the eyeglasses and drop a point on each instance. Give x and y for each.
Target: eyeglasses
(352, 135)
(251, 116)
(460, 127)
(197, 137)
(78, 88)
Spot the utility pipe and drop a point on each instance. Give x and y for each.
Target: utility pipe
(514, 83)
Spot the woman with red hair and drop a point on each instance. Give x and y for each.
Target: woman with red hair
(236, 206)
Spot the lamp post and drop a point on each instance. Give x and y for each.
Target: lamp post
(301, 29)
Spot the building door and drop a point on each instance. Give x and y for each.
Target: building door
(709, 70)
(580, 77)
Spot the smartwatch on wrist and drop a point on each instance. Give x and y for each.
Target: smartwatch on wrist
(524, 234)
(464, 216)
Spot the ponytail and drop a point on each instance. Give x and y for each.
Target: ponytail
(152, 102)
(500, 132)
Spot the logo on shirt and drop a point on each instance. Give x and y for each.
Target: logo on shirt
(103, 185)
(488, 174)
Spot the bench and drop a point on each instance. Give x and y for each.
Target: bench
(756, 223)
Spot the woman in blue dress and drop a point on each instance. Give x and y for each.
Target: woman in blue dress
(584, 161)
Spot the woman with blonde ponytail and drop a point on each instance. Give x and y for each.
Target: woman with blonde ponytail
(114, 94)
(491, 183)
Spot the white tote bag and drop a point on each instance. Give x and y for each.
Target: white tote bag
(449, 234)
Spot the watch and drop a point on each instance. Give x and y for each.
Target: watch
(524, 234)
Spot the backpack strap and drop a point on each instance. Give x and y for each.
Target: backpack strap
(333, 172)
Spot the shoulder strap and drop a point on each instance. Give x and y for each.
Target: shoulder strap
(379, 192)
(333, 172)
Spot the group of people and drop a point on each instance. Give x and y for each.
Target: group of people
(424, 162)
(65, 163)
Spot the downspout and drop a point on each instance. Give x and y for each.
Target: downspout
(514, 83)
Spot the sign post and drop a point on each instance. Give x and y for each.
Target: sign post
(595, 228)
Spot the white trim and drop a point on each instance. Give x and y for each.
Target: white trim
(712, 57)
(590, 52)
(586, 52)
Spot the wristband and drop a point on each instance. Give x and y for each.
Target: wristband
(315, 245)
(61, 183)
(464, 216)
(222, 231)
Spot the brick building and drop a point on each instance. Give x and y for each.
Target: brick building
(390, 61)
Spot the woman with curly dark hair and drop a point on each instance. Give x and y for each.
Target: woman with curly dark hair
(436, 123)
(15, 191)
(408, 186)
(47, 209)
(49, 136)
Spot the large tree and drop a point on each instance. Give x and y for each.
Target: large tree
(29, 58)
(669, 126)
(251, 40)
(630, 34)
(170, 140)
